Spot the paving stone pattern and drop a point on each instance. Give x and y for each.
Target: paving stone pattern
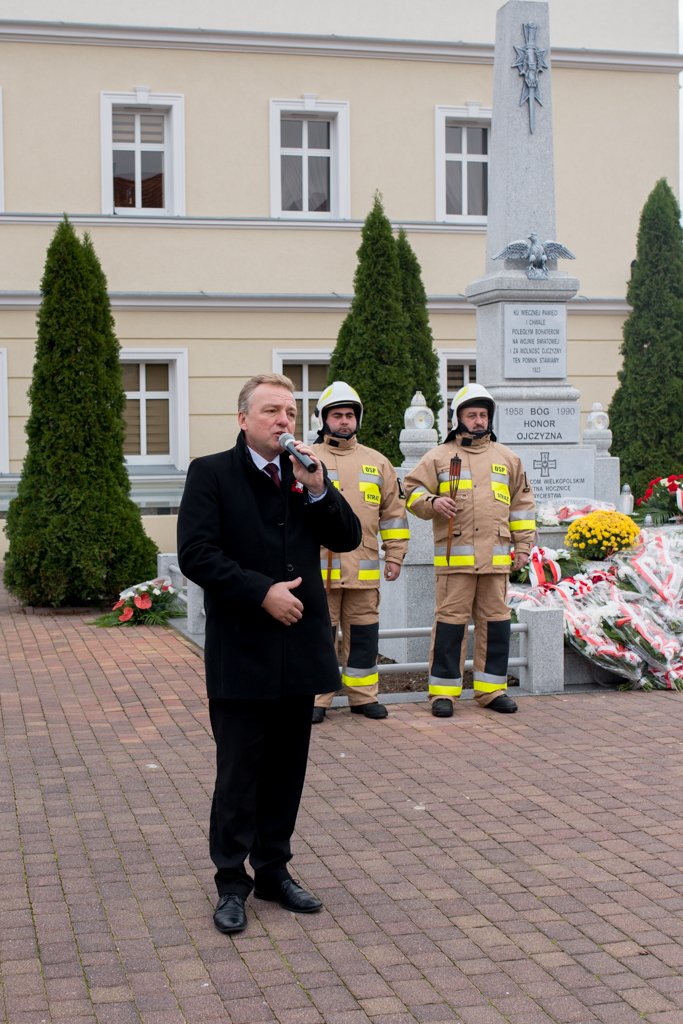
(480, 869)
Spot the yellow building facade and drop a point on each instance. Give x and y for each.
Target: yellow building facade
(224, 176)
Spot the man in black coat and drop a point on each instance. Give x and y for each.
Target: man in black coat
(250, 527)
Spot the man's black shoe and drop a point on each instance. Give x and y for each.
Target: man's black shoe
(442, 708)
(229, 915)
(318, 715)
(504, 704)
(375, 710)
(290, 895)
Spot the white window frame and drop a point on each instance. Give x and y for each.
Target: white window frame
(173, 105)
(179, 405)
(477, 117)
(446, 356)
(300, 355)
(4, 413)
(338, 113)
(2, 171)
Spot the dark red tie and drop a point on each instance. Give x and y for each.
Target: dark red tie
(272, 472)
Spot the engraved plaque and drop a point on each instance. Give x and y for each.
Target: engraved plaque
(535, 339)
(538, 422)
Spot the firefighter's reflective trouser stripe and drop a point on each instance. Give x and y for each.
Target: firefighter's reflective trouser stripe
(358, 612)
(460, 596)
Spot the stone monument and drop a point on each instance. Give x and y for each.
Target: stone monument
(522, 298)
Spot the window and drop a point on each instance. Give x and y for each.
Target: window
(305, 164)
(143, 158)
(466, 170)
(462, 164)
(147, 409)
(458, 374)
(156, 413)
(309, 154)
(457, 367)
(4, 413)
(309, 383)
(138, 157)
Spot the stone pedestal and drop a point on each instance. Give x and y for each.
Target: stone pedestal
(607, 472)
(409, 600)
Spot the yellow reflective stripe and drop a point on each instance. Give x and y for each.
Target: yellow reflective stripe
(501, 492)
(523, 524)
(445, 691)
(455, 560)
(416, 494)
(483, 687)
(362, 681)
(336, 484)
(502, 560)
(394, 534)
(368, 574)
(445, 487)
(336, 574)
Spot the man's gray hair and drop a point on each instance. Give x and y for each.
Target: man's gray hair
(247, 392)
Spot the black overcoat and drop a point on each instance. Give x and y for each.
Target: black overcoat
(237, 535)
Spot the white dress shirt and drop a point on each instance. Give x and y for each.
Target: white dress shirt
(260, 463)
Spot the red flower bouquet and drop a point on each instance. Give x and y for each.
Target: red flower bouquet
(663, 500)
(148, 604)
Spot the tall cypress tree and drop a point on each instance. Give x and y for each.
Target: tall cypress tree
(75, 535)
(424, 360)
(371, 352)
(646, 413)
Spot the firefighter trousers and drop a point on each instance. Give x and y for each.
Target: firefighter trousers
(358, 612)
(460, 596)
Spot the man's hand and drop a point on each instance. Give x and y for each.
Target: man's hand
(281, 603)
(521, 558)
(445, 507)
(392, 570)
(315, 482)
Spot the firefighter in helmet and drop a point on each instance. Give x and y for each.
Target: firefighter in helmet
(476, 493)
(368, 482)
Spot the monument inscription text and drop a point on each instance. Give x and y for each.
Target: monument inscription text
(537, 422)
(535, 339)
(558, 473)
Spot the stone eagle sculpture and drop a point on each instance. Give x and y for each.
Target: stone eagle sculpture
(536, 253)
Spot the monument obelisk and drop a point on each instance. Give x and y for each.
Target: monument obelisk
(522, 298)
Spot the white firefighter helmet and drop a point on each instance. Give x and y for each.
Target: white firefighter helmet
(339, 393)
(473, 394)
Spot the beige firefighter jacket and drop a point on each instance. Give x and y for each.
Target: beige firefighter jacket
(495, 505)
(368, 482)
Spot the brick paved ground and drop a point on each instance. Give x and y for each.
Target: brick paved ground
(485, 868)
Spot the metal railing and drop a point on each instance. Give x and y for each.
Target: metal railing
(193, 598)
(422, 666)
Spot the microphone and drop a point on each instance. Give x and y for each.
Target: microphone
(287, 442)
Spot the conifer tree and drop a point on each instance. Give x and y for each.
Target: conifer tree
(424, 360)
(371, 352)
(75, 535)
(646, 413)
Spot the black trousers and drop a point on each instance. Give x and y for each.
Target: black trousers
(261, 754)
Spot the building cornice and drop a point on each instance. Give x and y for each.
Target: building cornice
(172, 302)
(237, 223)
(319, 46)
